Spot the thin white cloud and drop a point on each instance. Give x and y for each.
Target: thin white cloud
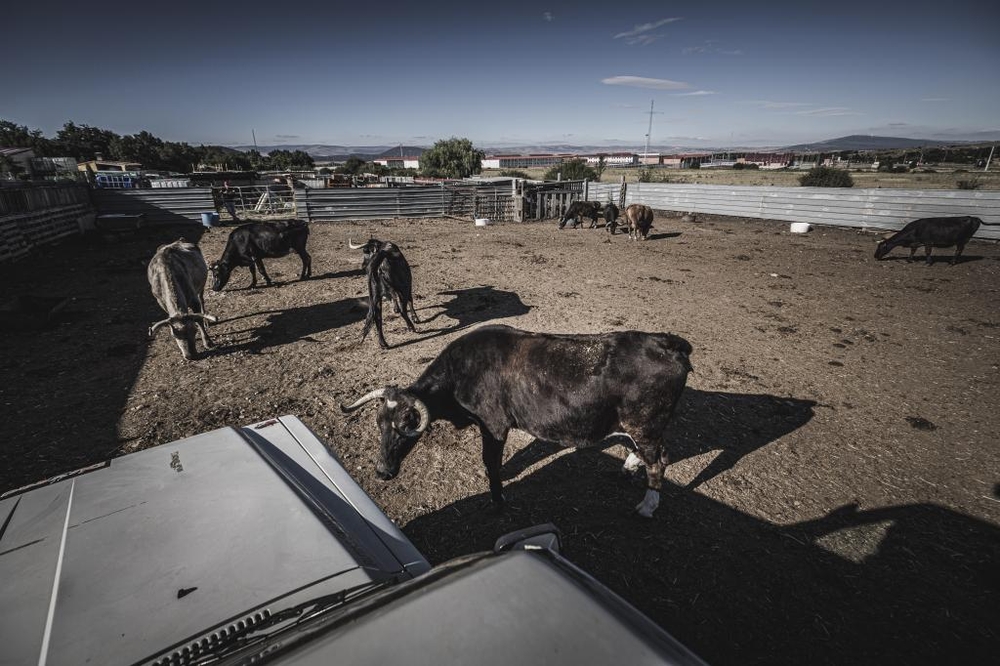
(696, 93)
(710, 47)
(828, 111)
(935, 99)
(645, 82)
(642, 34)
(619, 105)
(547, 16)
(768, 104)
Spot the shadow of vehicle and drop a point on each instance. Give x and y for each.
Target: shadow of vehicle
(86, 299)
(912, 584)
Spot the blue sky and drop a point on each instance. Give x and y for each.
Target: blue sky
(508, 73)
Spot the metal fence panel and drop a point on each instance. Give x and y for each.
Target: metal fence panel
(22, 232)
(885, 209)
(27, 198)
(327, 205)
(159, 206)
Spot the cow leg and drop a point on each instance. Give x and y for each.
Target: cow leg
(307, 264)
(401, 306)
(958, 253)
(374, 313)
(492, 459)
(260, 266)
(654, 481)
(913, 252)
(413, 311)
(927, 251)
(253, 276)
(202, 326)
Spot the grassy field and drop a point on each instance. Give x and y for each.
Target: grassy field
(942, 179)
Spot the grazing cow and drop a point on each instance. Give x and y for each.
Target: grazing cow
(578, 390)
(177, 275)
(610, 217)
(638, 220)
(251, 242)
(933, 232)
(389, 277)
(578, 210)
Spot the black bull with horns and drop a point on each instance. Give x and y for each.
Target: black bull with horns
(577, 390)
(389, 277)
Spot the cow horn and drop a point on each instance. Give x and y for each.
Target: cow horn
(155, 327)
(425, 418)
(366, 398)
(353, 246)
(211, 319)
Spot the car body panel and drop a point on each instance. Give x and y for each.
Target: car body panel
(117, 564)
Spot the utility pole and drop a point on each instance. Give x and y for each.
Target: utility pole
(989, 159)
(645, 154)
(256, 152)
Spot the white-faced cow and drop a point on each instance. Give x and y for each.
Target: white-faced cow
(638, 220)
(931, 232)
(577, 390)
(177, 275)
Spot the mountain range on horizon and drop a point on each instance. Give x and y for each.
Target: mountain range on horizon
(860, 142)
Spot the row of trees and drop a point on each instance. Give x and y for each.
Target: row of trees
(83, 143)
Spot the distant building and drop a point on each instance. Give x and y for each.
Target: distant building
(525, 161)
(617, 159)
(93, 166)
(402, 162)
(20, 157)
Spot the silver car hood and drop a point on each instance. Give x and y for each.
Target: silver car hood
(150, 550)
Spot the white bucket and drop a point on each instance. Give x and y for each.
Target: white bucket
(482, 221)
(800, 227)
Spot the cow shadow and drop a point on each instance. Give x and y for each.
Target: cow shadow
(731, 424)
(470, 307)
(294, 324)
(907, 584)
(666, 234)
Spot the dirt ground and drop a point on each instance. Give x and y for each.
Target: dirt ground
(834, 496)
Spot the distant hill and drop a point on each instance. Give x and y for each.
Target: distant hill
(865, 142)
(405, 151)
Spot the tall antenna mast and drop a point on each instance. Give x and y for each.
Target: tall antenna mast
(254, 135)
(645, 153)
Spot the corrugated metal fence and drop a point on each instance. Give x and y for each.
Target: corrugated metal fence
(354, 203)
(31, 216)
(846, 207)
(158, 206)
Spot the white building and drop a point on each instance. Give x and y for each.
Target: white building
(616, 159)
(405, 162)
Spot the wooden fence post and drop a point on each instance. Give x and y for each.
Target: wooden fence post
(621, 194)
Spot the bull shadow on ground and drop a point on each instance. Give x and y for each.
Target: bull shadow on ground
(294, 324)
(731, 424)
(666, 234)
(469, 307)
(943, 258)
(909, 584)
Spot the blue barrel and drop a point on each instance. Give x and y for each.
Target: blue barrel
(215, 219)
(206, 219)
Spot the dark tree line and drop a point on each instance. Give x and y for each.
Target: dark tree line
(83, 143)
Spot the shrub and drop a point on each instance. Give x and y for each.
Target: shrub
(745, 165)
(571, 170)
(826, 177)
(514, 173)
(971, 184)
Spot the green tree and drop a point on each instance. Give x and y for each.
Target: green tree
(451, 158)
(143, 148)
(822, 176)
(576, 169)
(84, 142)
(353, 166)
(602, 164)
(13, 135)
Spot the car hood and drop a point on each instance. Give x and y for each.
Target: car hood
(151, 549)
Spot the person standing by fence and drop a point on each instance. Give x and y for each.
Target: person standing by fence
(229, 196)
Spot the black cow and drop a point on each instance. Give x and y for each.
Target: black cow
(578, 210)
(389, 277)
(251, 242)
(933, 232)
(610, 217)
(579, 390)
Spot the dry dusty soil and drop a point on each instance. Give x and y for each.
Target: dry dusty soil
(834, 496)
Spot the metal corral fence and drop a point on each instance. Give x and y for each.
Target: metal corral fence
(32, 216)
(884, 209)
(353, 203)
(159, 206)
(251, 200)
